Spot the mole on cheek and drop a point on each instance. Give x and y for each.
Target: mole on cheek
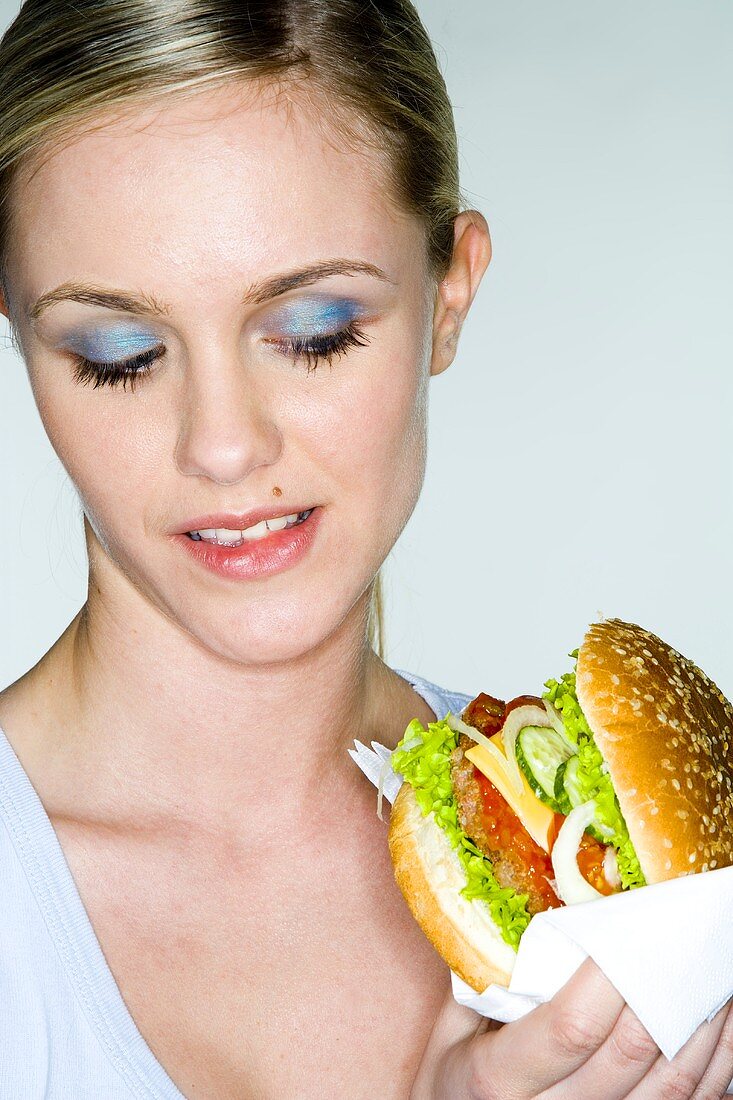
(277, 491)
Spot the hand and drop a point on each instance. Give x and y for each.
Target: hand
(585, 1042)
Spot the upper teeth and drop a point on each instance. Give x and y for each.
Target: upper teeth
(257, 531)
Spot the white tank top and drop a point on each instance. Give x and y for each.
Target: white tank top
(65, 1030)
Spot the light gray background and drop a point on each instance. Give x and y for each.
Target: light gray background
(580, 454)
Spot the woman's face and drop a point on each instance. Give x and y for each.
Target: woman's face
(190, 209)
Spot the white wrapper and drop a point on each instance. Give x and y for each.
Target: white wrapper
(667, 948)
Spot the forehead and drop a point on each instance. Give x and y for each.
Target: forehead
(209, 184)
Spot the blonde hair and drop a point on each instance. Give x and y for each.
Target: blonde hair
(62, 64)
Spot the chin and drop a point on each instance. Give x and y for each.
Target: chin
(258, 623)
(273, 628)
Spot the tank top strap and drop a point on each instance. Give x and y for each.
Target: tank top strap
(439, 699)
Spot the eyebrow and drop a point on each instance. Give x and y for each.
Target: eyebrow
(260, 291)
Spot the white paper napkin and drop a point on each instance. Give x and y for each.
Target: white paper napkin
(667, 948)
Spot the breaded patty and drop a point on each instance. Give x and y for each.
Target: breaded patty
(517, 860)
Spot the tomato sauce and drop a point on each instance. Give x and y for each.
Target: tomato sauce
(523, 701)
(555, 829)
(488, 714)
(509, 836)
(590, 863)
(485, 713)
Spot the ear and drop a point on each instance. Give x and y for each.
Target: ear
(455, 293)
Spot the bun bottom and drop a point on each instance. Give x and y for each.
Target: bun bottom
(430, 876)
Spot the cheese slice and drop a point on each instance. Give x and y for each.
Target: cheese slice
(537, 818)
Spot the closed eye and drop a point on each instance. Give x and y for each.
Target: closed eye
(314, 348)
(112, 373)
(311, 349)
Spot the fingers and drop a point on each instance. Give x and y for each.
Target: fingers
(440, 1070)
(718, 1077)
(550, 1043)
(709, 1049)
(620, 1063)
(584, 1042)
(630, 1064)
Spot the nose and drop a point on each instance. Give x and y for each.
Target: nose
(227, 424)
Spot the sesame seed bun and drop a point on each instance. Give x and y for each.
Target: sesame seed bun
(666, 732)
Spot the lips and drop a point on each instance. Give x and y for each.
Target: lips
(238, 521)
(227, 537)
(251, 558)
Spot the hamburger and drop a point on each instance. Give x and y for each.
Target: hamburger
(620, 774)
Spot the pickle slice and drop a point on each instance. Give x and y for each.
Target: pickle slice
(540, 752)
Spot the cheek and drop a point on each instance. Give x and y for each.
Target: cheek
(372, 435)
(111, 453)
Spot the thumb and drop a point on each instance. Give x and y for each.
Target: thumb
(454, 1026)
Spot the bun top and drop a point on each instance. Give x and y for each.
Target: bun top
(666, 733)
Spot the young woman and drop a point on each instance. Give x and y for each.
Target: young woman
(233, 253)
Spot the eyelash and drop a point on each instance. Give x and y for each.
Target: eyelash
(312, 349)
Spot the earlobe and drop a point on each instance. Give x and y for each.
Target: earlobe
(456, 291)
(445, 341)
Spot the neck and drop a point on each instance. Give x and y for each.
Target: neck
(153, 726)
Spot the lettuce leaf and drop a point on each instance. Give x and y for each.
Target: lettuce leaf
(426, 767)
(593, 779)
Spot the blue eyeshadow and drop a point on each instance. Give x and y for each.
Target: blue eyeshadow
(316, 315)
(111, 344)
